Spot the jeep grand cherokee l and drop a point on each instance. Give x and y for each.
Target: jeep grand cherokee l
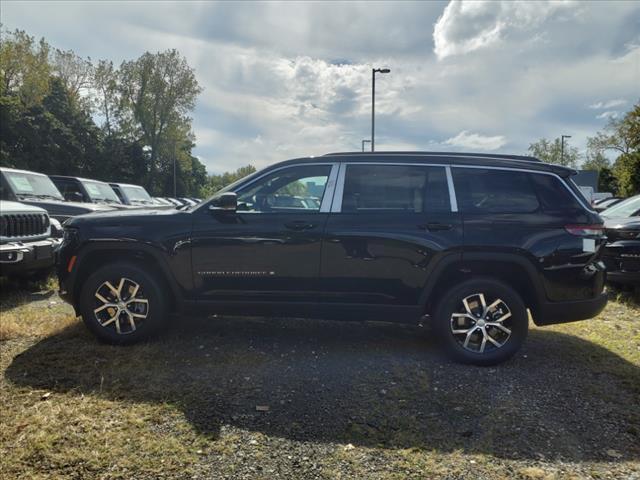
(468, 242)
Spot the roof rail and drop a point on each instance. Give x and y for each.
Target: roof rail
(525, 158)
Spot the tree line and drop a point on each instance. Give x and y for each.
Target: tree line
(621, 136)
(63, 114)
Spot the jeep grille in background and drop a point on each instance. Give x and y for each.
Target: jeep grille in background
(23, 225)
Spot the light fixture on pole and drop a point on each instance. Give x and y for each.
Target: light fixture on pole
(363, 142)
(373, 103)
(562, 137)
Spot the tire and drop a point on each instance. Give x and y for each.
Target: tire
(126, 317)
(452, 322)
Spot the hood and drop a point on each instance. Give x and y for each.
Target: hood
(74, 208)
(7, 207)
(628, 223)
(121, 217)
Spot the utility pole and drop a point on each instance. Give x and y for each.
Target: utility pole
(373, 103)
(562, 137)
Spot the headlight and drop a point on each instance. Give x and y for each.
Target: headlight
(70, 235)
(56, 229)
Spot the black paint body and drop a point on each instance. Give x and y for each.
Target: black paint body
(347, 265)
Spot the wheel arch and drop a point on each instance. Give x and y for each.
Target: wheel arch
(511, 269)
(96, 256)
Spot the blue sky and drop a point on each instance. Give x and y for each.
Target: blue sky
(283, 80)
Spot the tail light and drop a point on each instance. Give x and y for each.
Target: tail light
(585, 230)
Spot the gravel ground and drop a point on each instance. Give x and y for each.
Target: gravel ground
(292, 398)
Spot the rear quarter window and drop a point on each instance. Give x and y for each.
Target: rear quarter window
(553, 194)
(487, 191)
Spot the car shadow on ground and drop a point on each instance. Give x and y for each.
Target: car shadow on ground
(379, 385)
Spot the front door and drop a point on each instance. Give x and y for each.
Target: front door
(383, 239)
(269, 249)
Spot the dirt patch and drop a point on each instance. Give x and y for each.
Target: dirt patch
(293, 398)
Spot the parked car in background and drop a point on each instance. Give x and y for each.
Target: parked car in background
(85, 190)
(134, 195)
(37, 189)
(599, 196)
(163, 201)
(467, 242)
(622, 252)
(27, 247)
(187, 201)
(603, 204)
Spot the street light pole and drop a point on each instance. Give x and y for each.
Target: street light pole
(562, 137)
(363, 142)
(373, 104)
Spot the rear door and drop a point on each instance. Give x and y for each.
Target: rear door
(389, 226)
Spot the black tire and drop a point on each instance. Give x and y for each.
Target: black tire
(149, 290)
(444, 322)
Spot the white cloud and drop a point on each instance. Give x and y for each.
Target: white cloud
(475, 141)
(466, 26)
(618, 102)
(608, 114)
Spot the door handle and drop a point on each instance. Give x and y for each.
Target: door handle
(436, 226)
(299, 225)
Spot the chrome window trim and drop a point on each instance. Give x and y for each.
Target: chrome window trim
(329, 188)
(332, 164)
(452, 189)
(581, 201)
(336, 205)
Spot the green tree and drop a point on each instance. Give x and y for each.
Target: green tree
(621, 134)
(551, 152)
(627, 171)
(158, 92)
(105, 95)
(24, 67)
(217, 182)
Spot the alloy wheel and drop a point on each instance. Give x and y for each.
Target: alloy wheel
(121, 308)
(481, 327)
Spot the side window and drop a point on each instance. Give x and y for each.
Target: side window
(67, 186)
(494, 191)
(293, 189)
(553, 195)
(397, 188)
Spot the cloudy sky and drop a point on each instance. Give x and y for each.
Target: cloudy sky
(283, 80)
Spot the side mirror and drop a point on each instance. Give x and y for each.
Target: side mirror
(227, 202)
(73, 197)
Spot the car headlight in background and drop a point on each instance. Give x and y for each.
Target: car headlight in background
(56, 228)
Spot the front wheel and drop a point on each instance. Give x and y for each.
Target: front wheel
(122, 303)
(482, 322)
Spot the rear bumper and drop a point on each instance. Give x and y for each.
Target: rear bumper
(551, 313)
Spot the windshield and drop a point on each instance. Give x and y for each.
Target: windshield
(100, 192)
(31, 184)
(624, 209)
(136, 194)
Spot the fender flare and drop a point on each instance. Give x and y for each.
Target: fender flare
(131, 246)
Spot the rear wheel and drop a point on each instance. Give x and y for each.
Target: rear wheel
(122, 303)
(482, 321)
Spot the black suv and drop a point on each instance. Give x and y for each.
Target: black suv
(471, 243)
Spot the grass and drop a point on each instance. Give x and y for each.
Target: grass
(345, 400)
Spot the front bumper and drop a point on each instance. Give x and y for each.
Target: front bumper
(622, 259)
(19, 258)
